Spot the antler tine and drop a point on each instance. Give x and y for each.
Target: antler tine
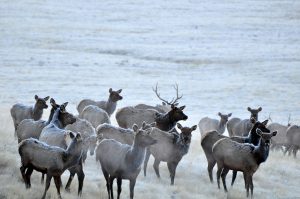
(270, 117)
(289, 118)
(158, 94)
(177, 94)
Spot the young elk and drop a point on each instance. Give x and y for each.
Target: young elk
(231, 155)
(207, 124)
(109, 106)
(167, 151)
(210, 138)
(51, 160)
(30, 128)
(123, 161)
(20, 112)
(238, 127)
(55, 136)
(128, 116)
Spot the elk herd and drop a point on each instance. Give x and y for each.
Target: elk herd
(63, 141)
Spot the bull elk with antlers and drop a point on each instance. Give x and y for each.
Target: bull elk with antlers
(128, 116)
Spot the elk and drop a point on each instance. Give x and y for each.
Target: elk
(123, 161)
(210, 138)
(20, 112)
(30, 128)
(238, 127)
(53, 135)
(109, 106)
(293, 139)
(244, 157)
(207, 124)
(52, 160)
(167, 151)
(128, 116)
(280, 140)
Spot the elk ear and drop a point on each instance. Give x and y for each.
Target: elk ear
(71, 135)
(119, 91)
(179, 126)
(36, 97)
(249, 109)
(182, 107)
(230, 114)
(78, 136)
(265, 122)
(176, 104)
(274, 133)
(258, 132)
(194, 127)
(46, 98)
(172, 106)
(259, 109)
(110, 90)
(135, 128)
(144, 125)
(65, 104)
(219, 114)
(52, 102)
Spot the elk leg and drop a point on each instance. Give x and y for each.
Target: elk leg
(233, 177)
(172, 169)
(111, 182)
(23, 169)
(106, 176)
(42, 178)
(57, 181)
(223, 175)
(247, 183)
(72, 174)
(119, 182)
(219, 171)
(131, 186)
(28, 175)
(210, 168)
(156, 167)
(48, 180)
(80, 176)
(251, 186)
(146, 161)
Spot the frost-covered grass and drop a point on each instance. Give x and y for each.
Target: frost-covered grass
(277, 178)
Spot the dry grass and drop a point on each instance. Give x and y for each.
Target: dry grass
(277, 178)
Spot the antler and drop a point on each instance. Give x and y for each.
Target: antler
(177, 96)
(158, 95)
(289, 119)
(270, 117)
(173, 101)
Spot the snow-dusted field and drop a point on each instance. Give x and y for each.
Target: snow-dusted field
(225, 56)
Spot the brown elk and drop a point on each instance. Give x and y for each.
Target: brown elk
(128, 116)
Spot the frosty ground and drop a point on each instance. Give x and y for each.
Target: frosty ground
(224, 55)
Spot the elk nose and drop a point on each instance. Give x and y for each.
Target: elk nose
(121, 97)
(185, 117)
